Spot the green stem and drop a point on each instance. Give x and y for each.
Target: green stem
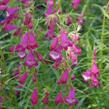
(102, 38)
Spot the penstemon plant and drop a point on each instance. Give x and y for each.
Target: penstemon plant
(48, 60)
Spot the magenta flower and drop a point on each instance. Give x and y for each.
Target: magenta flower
(28, 40)
(72, 77)
(71, 97)
(12, 48)
(39, 57)
(75, 3)
(23, 77)
(76, 49)
(55, 55)
(34, 97)
(87, 75)
(31, 41)
(94, 54)
(65, 42)
(73, 57)
(20, 51)
(94, 82)
(54, 43)
(75, 37)
(30, 60)
(49, 7)
(50, 33)
(64, 77)
(45, 99)
(3, 7)
(56, 64)
(68, 20)
(28, 20)
(34, 77)
(11, 11)
(25, 39)
(9, 27)
(94, 68)
(17, 32)
(58, 98)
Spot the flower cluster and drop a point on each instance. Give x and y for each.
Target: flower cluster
(91, 74)
(64, 50)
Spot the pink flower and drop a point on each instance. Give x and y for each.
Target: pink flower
(75, 3)
(49, 6)
(11, 11)
(34, 77)
(56, 64)
(30, 60)
(68, 20)
(75, 37)
(54, 43)
(34, 97)
(58, 98)
(23, 77)
(64, 77)
(87, 75)
(9, 27)
(55, 55)
(71, 97)
(28, 20)
(94, 68)
(31, 41)
(3, 7)
(12, 48)
(45, 99)
(73, 57)
(39, 57)
(65, 42)
(94, 54)
(28, 40)
(17, 31)
(72, 77)
(25, 39)
(76, 49)
(94, 82)
(21, 51)
(50, 33)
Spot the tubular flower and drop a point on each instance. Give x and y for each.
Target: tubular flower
(34, 77)
(30, 60)
(28, 40)
(87, 75)
(23, 77)
(49, 7)
(75, 3)
(64, 77)
(70, 99)
(91, 74)
(94, 82)
(54, 43)
(65, 42)
(34, 97)
(45, 99)
(58, 98)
